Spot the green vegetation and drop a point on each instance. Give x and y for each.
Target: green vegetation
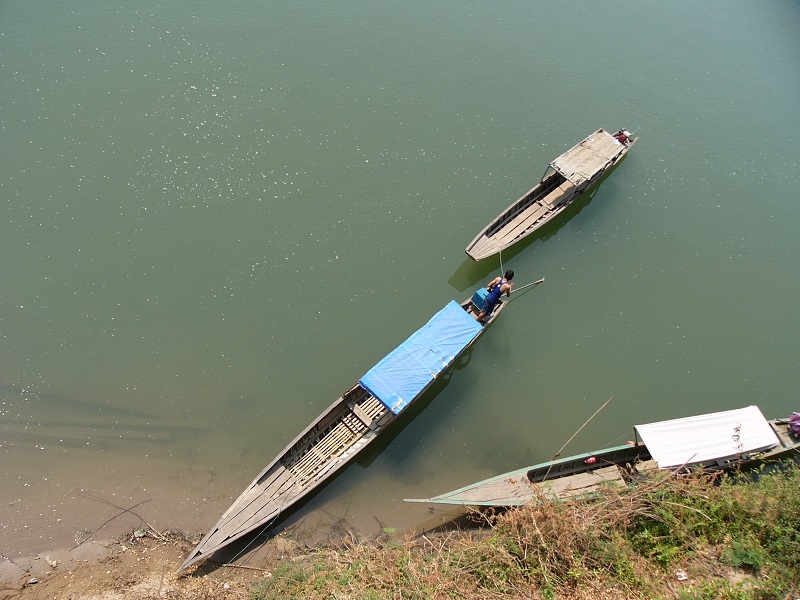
(687, 537)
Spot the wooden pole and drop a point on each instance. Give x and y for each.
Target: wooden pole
(557, 454)
(538, 281)
(545, 173)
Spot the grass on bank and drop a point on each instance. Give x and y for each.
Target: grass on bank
(734, 541)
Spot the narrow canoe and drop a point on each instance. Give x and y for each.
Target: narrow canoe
(350, 424)
(564, 180)
(722, 441)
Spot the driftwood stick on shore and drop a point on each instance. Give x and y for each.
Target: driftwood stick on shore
(122, 510)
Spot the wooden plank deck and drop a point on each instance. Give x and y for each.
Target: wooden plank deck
(374, 408)
(525, 220)
(252, 505)
(486, 245)
(326, 449)
(782, 431)
(557, 195)
(593, 154)
(355, 422)
(518, 490)
(508, 491)
(323, 450)
(582, 483)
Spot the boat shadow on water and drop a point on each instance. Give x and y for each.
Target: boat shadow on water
(366, 458)
(469, 272)
(447, 520)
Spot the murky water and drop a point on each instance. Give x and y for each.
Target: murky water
(215, 219)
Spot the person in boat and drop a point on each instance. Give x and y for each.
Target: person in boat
(498, 287)
(621, 136)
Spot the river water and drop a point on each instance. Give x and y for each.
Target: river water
(215, 218)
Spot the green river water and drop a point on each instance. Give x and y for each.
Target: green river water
(215, 217)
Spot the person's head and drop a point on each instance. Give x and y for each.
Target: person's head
(509, 275)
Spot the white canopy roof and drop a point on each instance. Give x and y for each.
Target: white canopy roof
(707, 437)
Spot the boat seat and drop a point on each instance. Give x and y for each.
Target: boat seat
(363, 416)
(522, 223)
(552, 199)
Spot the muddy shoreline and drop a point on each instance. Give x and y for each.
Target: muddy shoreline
(142, 564)
(309, 531)
(120, 536)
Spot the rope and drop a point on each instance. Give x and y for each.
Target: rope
(267, 526)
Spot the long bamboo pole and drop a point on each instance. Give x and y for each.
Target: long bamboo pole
(557, 454)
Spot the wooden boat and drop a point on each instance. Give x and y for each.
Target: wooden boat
(735, 439)
(350, 424)
(563, 180)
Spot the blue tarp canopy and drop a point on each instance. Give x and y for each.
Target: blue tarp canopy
(408, 369)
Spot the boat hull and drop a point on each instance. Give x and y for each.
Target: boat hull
(584, 475)
(562, 479)
(312, 459)
(583, 165)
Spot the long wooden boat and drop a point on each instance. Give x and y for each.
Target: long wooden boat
(728, 440)
(350, 424)
(563, 181)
